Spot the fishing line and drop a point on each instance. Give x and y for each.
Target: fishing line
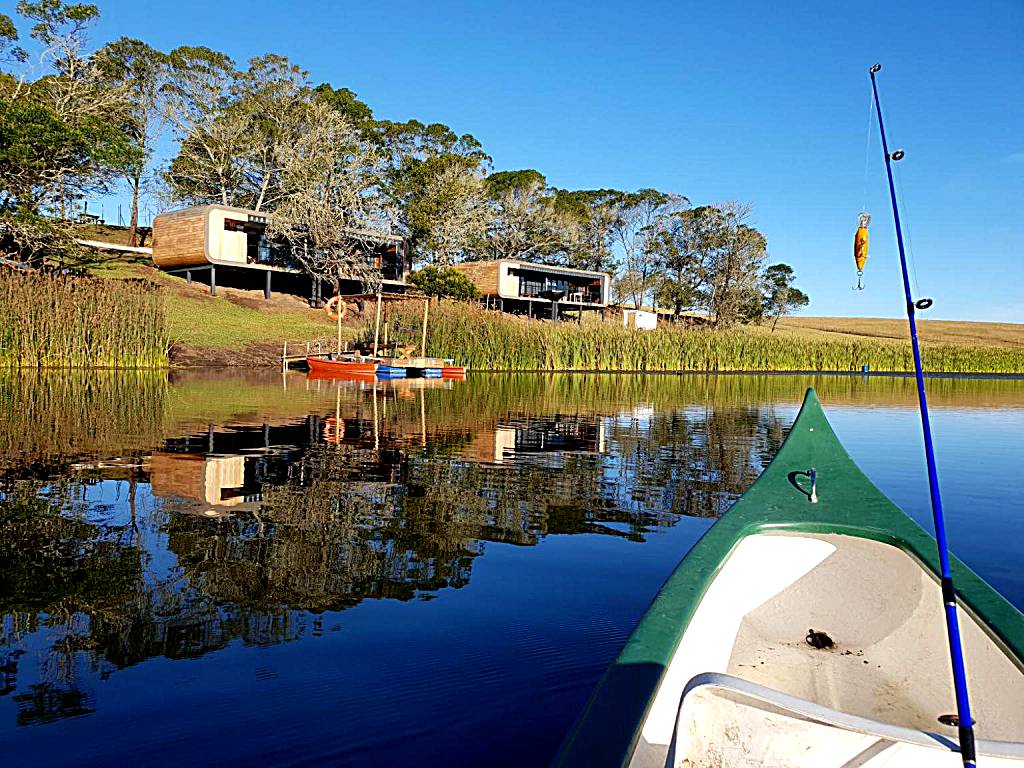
(906, 234)
(867, 151)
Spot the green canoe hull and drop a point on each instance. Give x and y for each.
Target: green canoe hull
(849, 504)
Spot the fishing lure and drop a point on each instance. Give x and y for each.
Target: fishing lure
(860, 247)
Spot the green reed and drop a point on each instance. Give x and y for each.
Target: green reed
(486, 340)
(59, 321)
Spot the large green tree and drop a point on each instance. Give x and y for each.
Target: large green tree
(60, 136)
(637, 221)
(212, 136)
(780, 296)
(737, 255)
(451, 215)
(524, 224)
(586, 219)
(141, 72)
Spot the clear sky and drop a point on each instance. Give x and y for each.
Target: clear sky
(761, 102)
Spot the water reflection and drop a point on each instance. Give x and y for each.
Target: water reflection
(141, 518)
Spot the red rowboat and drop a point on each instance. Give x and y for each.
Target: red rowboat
(344, 365)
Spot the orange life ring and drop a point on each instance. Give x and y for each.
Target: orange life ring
(336, 308)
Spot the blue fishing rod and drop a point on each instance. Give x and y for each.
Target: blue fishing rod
(956, 653)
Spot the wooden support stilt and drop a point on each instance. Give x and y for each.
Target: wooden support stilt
(339, 332)
(376, 327)
(423, 339)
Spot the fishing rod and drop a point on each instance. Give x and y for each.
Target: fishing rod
(963, 706)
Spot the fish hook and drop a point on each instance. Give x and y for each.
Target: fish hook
(860, 285)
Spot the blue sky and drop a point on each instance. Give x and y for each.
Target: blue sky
(761, 102)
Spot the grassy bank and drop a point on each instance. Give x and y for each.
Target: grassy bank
(238, 328)
(57, 321)
(487, 340)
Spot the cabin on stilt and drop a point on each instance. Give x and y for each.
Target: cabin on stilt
(229, 246)
(537, 290)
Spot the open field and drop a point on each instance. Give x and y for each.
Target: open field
(487, 340)
(1004, 335)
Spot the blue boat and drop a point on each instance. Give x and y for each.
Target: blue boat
(390, 372)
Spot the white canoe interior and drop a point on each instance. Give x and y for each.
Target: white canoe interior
(871, 700)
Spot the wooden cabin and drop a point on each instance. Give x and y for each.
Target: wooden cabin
(534, 289)
(221, 241)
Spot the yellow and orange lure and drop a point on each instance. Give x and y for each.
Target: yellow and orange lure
(860, 247)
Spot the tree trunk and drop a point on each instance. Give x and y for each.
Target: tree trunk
(133, 228)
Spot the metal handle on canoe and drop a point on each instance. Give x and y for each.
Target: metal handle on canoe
(813, 473)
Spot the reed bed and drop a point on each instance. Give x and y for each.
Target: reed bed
(59, 321)
(486, 340)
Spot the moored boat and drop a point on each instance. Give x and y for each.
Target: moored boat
(385, 371)
(360, 376)
(453, 372)
(806, 628)
(341, 365)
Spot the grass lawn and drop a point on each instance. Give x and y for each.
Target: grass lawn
(198, 323)
(207, 321)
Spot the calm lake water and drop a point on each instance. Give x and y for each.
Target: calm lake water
(220, 569)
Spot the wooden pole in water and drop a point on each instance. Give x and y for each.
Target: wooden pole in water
(385, 348)
(337, 414)
(376, 327)
(376, 432)
(423, 420)
(339, 331)
(423, 341)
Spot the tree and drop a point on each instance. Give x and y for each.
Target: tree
(451, 214)
(684, 250)
(586, 221)
(524, 224)
(329, 196)
(59, 133)
(444, 281)
(271, 98)
(141, 72)
(212, 137)
(346, 102)
(413, 154)
(737, 252)
(10, 51)
(780, 296)
(638, 220)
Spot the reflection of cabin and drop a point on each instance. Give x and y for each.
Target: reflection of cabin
(522, 287)
(214, 481)
(545, 440)
(231, 244)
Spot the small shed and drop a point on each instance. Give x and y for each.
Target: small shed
(640, 319)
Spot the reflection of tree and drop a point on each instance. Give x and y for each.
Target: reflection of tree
(399, 509)
(62, 576)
